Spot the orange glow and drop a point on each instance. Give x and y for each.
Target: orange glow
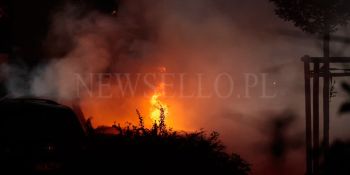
(162, 69)
(157, 104)
(119, 109)
(106, 112)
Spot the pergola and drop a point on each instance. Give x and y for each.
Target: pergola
(316, 68)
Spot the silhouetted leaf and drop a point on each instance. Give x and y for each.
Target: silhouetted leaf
(346, 87)
(345, 108)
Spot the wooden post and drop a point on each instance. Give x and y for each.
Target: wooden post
(316, 119)
(308, 125)
(326, 93)
(312, 123)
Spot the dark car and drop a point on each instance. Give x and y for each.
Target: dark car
(39, 136)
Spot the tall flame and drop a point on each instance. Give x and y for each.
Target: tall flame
(157, 104)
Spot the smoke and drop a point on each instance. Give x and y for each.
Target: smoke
(203, 39)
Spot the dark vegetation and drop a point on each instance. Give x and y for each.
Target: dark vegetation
(314, 16)
(338, 158)
(160, 150)
(345, 108)
(32, 143)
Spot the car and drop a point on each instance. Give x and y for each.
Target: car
(39, 136)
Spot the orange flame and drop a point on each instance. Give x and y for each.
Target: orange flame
(156, 103)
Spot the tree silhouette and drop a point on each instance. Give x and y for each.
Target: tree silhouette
(319, 17)
(314, 16)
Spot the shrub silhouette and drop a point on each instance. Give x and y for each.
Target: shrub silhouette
(338, 158)
(159, 150)
(130, 150)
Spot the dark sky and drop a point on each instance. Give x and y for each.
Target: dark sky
(25, 25)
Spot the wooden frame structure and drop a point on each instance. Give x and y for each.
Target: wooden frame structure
(312, 114)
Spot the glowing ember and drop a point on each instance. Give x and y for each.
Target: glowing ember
(162, 69)
(157, 104)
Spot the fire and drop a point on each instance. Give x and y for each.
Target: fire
(157, 104)
(162, 69)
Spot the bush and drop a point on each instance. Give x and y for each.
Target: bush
(159, 150)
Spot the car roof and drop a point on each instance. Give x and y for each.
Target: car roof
(34, 118)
